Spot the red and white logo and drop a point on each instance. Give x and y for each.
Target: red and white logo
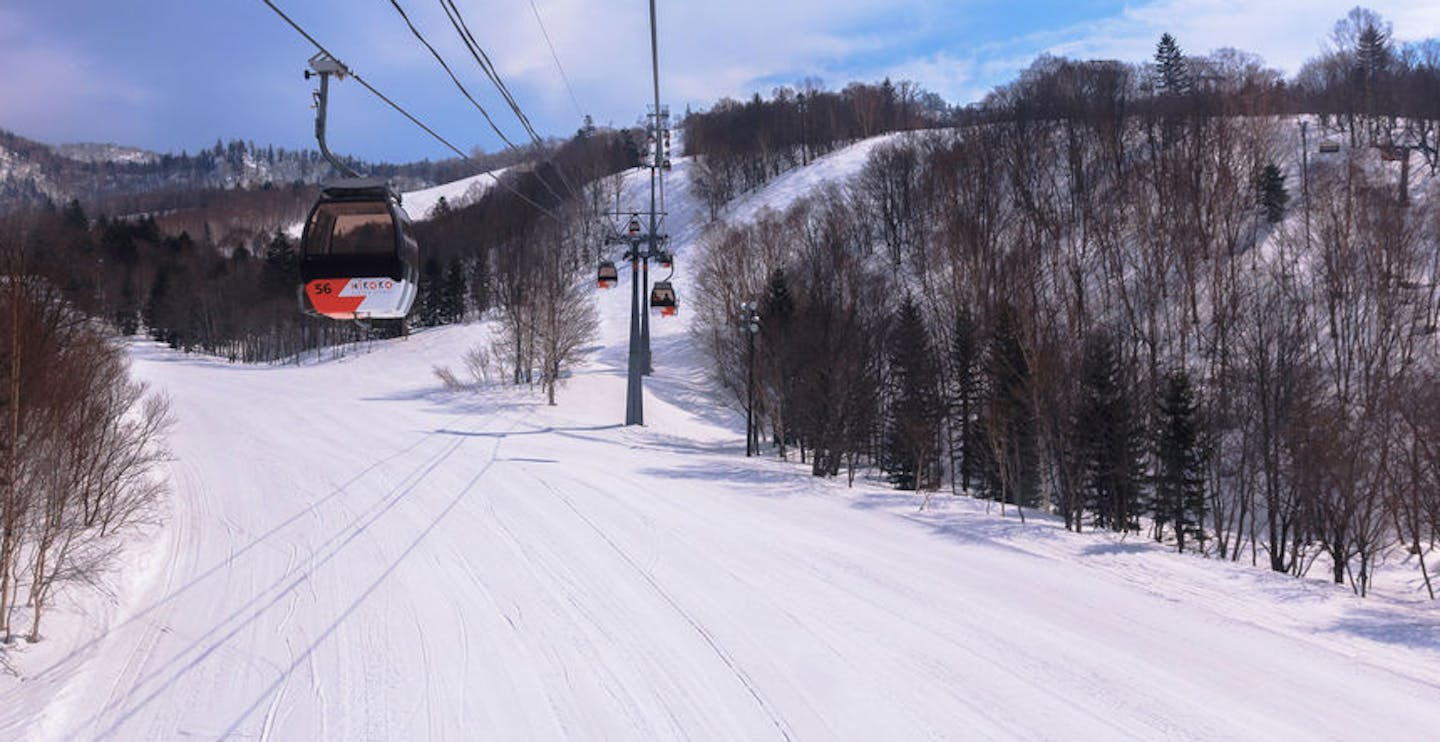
(344, 298)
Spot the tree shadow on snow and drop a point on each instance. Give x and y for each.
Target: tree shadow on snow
(1118, 547)
(547, 430)
(1416, 632)
(777, 483)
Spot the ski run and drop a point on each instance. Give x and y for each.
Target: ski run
(350, 551)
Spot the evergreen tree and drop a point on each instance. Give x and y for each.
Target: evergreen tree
(1372, 63)
(911, 452)
(1179, 498)
(168, 314)
(432, 294)
(118, 242)
(1170, 66)
(1273, 197)
(455, 290)
(157, 319)
(777, 310)
(1010, 426)
(440, 210)
(630, 147)
(1108, 439)
(967, 448)
(1373, 53)
(281, 273)
(74, 215)
(480, 283)
(127, 319)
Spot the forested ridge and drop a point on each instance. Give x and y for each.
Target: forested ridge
(1190, 299)
(216, 272)
(125, 180)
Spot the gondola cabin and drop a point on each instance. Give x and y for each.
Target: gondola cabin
(662, 299)
(357, 255)
(1329, 146)
(666, 260)
(608, 276)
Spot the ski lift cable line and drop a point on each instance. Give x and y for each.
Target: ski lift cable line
(436, 54)
(421, 37)
(498, 180)
(457, 21)
(563, 77)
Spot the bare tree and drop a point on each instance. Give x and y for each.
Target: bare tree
(81, 443)
(565, 316)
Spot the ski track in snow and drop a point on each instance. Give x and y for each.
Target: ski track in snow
(353, 553)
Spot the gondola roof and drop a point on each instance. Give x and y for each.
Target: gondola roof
(359, 188)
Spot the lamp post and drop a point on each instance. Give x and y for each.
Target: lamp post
(750, 325)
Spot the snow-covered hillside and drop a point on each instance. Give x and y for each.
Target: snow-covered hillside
(98, 153)
(419, 205)
(352, 552)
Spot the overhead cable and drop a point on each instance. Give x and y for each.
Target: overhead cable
(413, 119)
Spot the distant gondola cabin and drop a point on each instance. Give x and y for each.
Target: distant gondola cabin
(662, 299)
(607, 276)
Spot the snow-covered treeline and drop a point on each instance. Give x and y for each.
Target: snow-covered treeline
(739, 146)
(1141, 317)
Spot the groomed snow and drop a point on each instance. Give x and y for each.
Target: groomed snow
(353, 553)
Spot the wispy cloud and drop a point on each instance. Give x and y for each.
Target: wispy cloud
(1284, 32)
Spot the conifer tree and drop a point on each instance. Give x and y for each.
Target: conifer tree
(74, 215)
(432, 294)
(911, 453)
(157, 319)
(967, 449)
(1373, 50)
(1010, 427)
(1170, 66)
(1273, 197)
(777, 311)
(454, 291)
(480, 283)
(281, 272)
(127, 319)
(1108, 439)
(1179, 498)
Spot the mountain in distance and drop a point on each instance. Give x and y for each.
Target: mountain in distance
(34, 174)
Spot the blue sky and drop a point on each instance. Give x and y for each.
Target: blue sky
(174, 75)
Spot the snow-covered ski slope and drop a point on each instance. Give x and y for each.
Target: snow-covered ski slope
(353, 553)
(419, 204)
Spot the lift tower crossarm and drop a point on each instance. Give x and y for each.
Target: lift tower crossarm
(324, 65)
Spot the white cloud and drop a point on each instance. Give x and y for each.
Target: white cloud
(707, 49)
(953, 77)
(1284, 32)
